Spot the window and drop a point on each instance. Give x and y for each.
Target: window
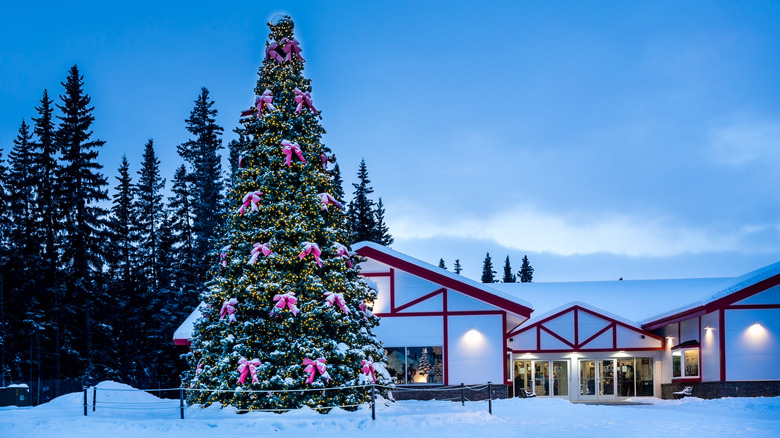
(685, 363)
(413, 365)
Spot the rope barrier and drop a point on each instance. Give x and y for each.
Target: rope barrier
(171, 403)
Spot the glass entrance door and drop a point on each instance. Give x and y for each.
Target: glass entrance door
(597, 379)
(522, 376)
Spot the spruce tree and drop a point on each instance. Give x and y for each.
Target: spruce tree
(82, 192)
(286, 307)
(457, 268)
(46, 166)
(202, 152)
(362, 220)
(181, 212)
(509, 277)
(526, 272)
(441, 264)
(23, 186)
(488, 274)
(149, 207)
(383, 236)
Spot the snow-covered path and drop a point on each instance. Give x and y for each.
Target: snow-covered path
(138, 414)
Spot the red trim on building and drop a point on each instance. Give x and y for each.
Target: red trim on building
(587, 350)
(419, 300)
(752, 306)
(182, 342)
(392, 290)
(446, 346)
(722, 343)
(557, 336)
(576, 326)
(718, 304)
(686, 379)
(452, 313)
(445, 281)
(504, 358)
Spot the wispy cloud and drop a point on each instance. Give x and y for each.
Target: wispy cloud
(743, 143)
(531, 230)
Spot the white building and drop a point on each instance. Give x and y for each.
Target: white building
(585, 341)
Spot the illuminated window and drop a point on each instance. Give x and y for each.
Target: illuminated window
(685, 360)
(415, 365)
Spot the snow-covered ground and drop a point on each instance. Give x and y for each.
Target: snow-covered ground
(130, 413)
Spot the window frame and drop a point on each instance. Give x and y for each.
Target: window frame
(405, 371)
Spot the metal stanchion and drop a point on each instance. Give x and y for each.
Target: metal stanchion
(94, 397)
(490, 400)
(85, 400)
(373, 403)
(181, 402)
(462, 395)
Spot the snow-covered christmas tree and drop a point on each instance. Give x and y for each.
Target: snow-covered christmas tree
(285, 308)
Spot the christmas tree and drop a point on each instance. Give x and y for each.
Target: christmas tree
(285, 308)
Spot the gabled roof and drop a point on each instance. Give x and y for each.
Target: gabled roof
(183, 334)
(443, 277)
(634, 300)
(734, 290)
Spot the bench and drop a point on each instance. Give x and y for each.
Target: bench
(526, 394)
(686, 392)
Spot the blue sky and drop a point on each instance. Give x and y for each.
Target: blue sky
(602, 139)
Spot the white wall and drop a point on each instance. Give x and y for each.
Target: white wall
(710, 348)
(753, 350)
(475, 356)
(411, 331)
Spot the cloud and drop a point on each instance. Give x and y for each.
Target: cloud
(531, 230)
(742, 143)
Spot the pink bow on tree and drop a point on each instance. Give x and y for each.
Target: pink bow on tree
(368, 369)
(327, 199)
(250, 200)
(285, 300)
(248, 367)
(291, 48)
(223, 255)
(258, 248)
(302, 99)
(265, 101)
(199, 368)
(343, 252)
(272, 52)
(228, 310)
(241, 159)
(366, 312)
(337, 298)
(324, 159)
(313, 249)
(314, 366)
(288, 148)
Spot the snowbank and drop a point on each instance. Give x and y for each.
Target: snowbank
(122, 411)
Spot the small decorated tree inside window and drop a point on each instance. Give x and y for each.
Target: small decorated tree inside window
(285, 308)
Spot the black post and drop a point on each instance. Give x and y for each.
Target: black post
(85, 400)
(181, 402)
(94, 397)
(490, 400)
(373, 403)
(462, 395)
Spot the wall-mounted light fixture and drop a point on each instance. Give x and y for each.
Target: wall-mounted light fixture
(707, 327)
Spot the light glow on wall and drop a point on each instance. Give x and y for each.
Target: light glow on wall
(473, 338)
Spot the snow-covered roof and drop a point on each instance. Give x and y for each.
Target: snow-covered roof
(724, 289)
(541, 316)
(489, 288)
(633, 300)
(183, 334)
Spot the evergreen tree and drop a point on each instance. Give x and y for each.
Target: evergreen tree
(441, 264)
(457, 268)
(149, 207)
(23, 185)
(509, 277)
(383, 232)
(5, 250)
(488, 274)
(82, 192)
(526, 273)
(362, 220)
(202, 152)
(181, 213)
(338, 184)
(50, 224)
(284, 291)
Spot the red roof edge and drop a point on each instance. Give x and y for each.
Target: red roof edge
(445, 281)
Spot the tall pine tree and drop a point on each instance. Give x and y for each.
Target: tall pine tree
(83, 192)
(285, 303)
(526, 273)
(509, 277)
(488, 274)
(202, 153)
(456, 267)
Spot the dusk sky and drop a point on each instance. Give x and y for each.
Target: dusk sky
(602, 139)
